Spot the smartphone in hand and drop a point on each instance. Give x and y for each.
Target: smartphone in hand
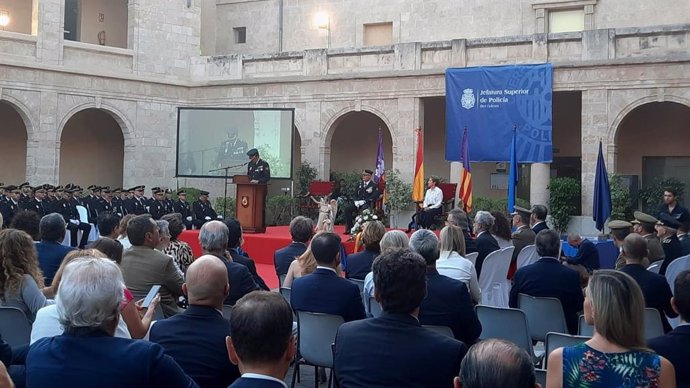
(152, 294)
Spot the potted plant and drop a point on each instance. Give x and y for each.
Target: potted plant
(564, 201)
(399, 205)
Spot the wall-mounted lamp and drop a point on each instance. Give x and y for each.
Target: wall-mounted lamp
(323, 22)
(4, 19)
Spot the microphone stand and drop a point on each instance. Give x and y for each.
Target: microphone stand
(225, 189)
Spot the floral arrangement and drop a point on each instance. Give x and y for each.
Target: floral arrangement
(366, 216)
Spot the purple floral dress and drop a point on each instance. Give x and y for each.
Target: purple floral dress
(585, 367)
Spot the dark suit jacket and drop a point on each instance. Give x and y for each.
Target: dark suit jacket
(675, 346)
(672, 251)
(393, 350)
(255, 383)
(5, 352)
(249, 263)
(50, 255)
(448, 303)
(549, 278)
(486, 243)
(283, 257)
(323, 291)
(470, 246)
(195, 339)
(93, 358)
(539, 227)
(587, 256)
(656, 291)
(359, 264)
(241, 281)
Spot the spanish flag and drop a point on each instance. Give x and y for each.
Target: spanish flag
(418, 184)
(466, 178)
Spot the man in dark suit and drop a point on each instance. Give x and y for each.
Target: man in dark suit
(195, 339)
(301, 230)
(447, 301)
(675, 346)
(657, 293)
(234, 245)
(367, 193)
(549, 278)
(457, 217)
(323, 291)
(538, 218)
(586, 260)
(50, 250)
(667, 230)
(394, 350)
(521, 237)
(486, 243)
(202, 211)
(261, 344)
(213, 238)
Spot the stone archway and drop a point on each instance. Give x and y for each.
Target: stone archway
(352, 141)
(92, 148)
(14, 136)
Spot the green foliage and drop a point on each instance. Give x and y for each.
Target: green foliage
(230, 207)
(351, 178)
(652, 195)
(564, 201)
(621, 200)
(192, 194)
(280, 209)
(399, 192)
(495, 204)
(278, 166)
(306, 173)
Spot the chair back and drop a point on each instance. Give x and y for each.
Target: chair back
(505, 323)
(286, 293)
(359, 283)
(528, 255)
(560, 340)
(375, 308)
(443, 330)
(493, 280)
(316, 334)
(677, 266)
(583, 328)
(655, 267)
(472, 257)
(227, 311)
(540, 375)
(83, 214)
(652, 323)
(321, 188)
(448, 190)
(281, 280)
(544, 315)
(14, 326)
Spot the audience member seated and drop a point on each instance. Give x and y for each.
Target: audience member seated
(432, 206)
(500, 230)
(587, 258)
(196, 338)
(486, 243)
(359, 264)
(391, 239)
(619, 231)
(447, 301)
(180, 251)
(213, 238)
(538, 218)
(87, 354)
(683, 237)
(655, 288)
(27, 221)
(235, 242)
(323, 291)
(675, 346)
(451, 262)
(548, 278)
(616, 356)
(123, 238)
(522, 237)
(109, 225)
(20, 276)
(262, 344)
(50, 249)
(301, 230)
(667, 231)
(304, 265)
(457, 217)
(494, 363)
(144, 267)
(394, 350)
(164, 239)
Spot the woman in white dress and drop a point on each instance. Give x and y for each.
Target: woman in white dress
(452, 262)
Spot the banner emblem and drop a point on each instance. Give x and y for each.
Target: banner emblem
(245, 201)
(467, 100)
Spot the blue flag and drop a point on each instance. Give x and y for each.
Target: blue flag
(513, 177)
(602, 193)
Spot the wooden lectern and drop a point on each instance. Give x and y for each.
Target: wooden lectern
(250, 204)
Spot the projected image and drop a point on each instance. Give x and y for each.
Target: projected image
(209, 140)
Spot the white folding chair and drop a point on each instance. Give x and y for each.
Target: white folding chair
(14, 326)
(286, 292)
(528, 255)
(316, 334)
(472, 257)
(227, 311)
(540, 375)
(492, 281)
(652, 323)
(84, 217)
(374, 307)
(505, 323)
(559, 340)
(677, 266)
(544, 315)
(443, 330)
(583, 328)
(654, 267)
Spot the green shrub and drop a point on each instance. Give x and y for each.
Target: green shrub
(192, 194)
(351, 178)
(494, 204)
(652, 195)
(564, 201)
(306, 173)
(230, 207)
(398, 192)
(622, 206)
(279, 209)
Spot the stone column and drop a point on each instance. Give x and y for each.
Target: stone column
(540, 175)
(50, 31)
(594, 128)
(410, 117)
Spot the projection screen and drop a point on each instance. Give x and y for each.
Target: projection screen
(210, 139)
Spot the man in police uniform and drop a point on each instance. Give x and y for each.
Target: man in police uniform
(37, 204)
(666, 230)
(10, 207)
(118, 204)
(157, 208)
(366, 194)
(105, 203)
(258, 170)
(26, 193)
(644, 225)
(168, 201)
(619, 231)
(202, 210)
(232, 150)
(67, 207)
(181, 206)
(136, 205)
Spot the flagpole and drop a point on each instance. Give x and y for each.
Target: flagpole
(512, 176)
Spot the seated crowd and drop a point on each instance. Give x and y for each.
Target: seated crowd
(216, 323)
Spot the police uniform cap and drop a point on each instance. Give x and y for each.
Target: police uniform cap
(59, 188)
(49, 188)
(644, 218)
(11, 188)
(69, 190)
(157, 190)
(181, 192)
(668, 221)
(25, 184)
(203, 192)
(520, 210)
(168, 191)
(105, 189)
(619, 224)
(252, 152)
(117, 190)
(92, 187)
(140, 187)
(367, 171)
(2, 185)
(39, 188)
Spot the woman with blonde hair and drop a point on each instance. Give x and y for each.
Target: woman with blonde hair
(616, 356)
(358, 265)
(303, 265)
(21, 279)
(452, 262)
(124, 239)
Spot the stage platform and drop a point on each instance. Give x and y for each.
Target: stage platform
(261, 246)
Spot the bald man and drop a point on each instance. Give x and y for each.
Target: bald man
(196, 338)
(496, 363)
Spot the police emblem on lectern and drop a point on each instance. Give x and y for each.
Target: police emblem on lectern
(468, 100)
(245, 201)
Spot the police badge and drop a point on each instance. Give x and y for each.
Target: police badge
(468, 100)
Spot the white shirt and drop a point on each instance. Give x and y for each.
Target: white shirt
(433, 198)
(47, 324)
(328, 268)
(454, 266)
(262, 377)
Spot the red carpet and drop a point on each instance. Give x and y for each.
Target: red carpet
(261, 246)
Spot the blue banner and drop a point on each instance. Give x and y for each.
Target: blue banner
(490, 102)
